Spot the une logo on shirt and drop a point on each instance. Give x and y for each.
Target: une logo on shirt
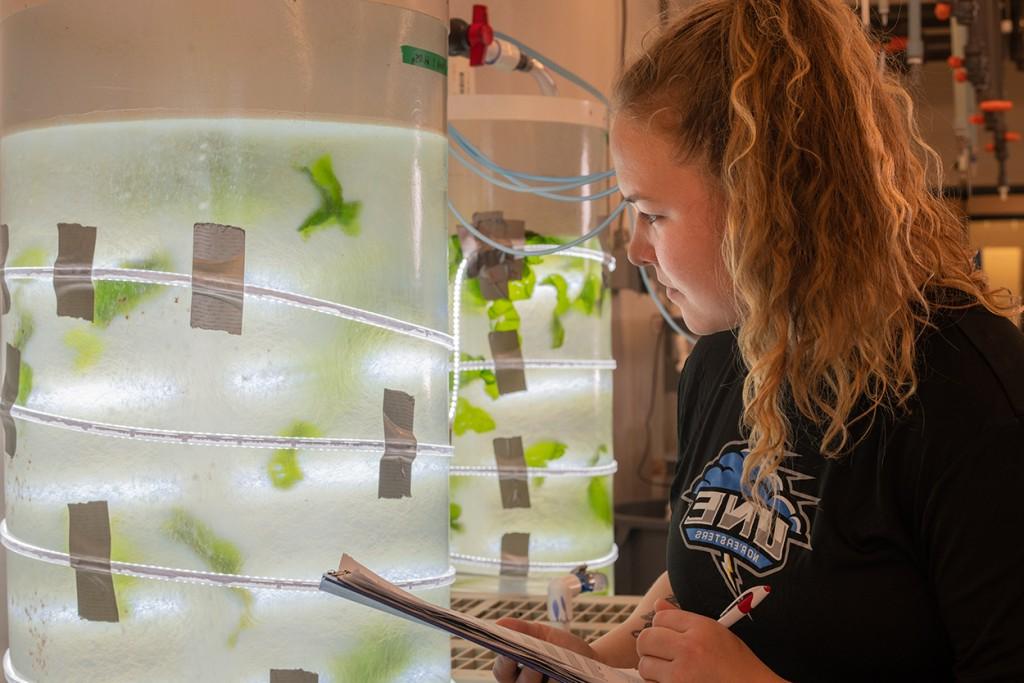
(721, 521)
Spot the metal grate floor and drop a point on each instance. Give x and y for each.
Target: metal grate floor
(592, 618)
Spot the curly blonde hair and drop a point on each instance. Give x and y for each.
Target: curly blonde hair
(838, 247)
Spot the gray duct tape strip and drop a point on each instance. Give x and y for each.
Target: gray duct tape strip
(72, 272)
(395, 479)
(218, 277)
(5, 245)
(512, 473)
(508, 361)
(491, 267)
(515, 562)
(292, 676)
(89, 548)
(12, 380)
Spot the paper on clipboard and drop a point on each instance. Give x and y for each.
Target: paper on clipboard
(355, 582)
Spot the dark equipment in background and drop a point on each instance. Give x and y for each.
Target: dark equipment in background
(995, 34)
(641, 532)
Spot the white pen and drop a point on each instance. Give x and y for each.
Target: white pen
(742, 605)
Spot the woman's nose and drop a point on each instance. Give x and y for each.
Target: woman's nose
(640, 252)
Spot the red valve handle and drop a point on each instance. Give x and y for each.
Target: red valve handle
(480, 35)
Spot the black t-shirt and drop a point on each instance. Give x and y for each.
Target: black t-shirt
(903, 560)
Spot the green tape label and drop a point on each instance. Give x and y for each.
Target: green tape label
(425, 58)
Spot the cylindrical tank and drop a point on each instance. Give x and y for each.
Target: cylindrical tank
(225, 330)
(560, 310)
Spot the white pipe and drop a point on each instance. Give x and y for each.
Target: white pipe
(963, 103)
(503, 55)
(915, 43)
(508, 57)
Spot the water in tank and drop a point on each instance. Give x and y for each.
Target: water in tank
(226, 325)
(559, 308)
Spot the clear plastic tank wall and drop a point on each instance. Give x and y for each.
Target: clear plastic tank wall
(240, 466)
(562, 312)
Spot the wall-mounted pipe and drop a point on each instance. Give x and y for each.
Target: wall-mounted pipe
(915, 43)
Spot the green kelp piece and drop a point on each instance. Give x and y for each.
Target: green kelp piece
(24, 383)
(487, 376)
(379, 656)
(599, 498)
(35, 257)
(283, 467)
(87, 347)
(503, 315)
(561, 292)
(454, 256)
(470, 418)
(534, 238)
(26, 328)
(571, 262)
(543, 452)
(122, 550)
(334, 210)
(454, 513)
(522, 289)
(557, 332)
(472, 295)
(247, 619)
(114, 299)
(218, 554)
(561, 308)
(592, 294)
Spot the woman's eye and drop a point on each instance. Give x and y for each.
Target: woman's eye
(650, 218)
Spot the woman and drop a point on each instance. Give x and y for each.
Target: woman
(855, 370)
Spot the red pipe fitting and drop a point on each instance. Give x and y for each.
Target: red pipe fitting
(996, 105)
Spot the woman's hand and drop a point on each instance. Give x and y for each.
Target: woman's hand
(682, 646)
(508, 671)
